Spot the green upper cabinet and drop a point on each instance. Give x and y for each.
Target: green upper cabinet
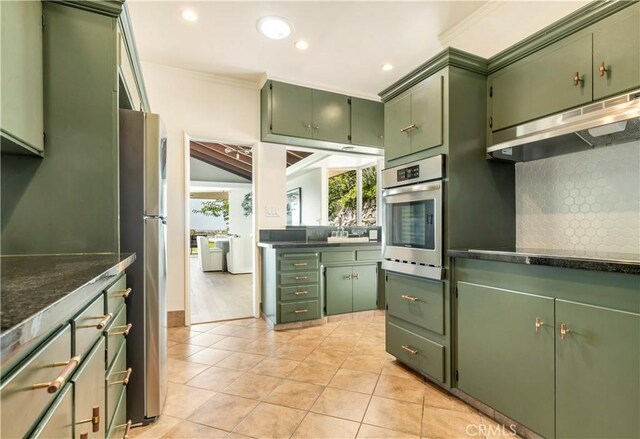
(367, 122)
(21, 77)
(331, 117)
(291, 110)
(551, 80)
(504, 359)
(597, 372)
(413, 122)
(616, 53)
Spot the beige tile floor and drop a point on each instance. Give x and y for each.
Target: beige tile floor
(240, 379)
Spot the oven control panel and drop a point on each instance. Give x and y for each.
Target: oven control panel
(408, 173)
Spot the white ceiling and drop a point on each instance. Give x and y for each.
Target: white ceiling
(349, 41)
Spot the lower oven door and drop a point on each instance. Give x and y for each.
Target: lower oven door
(412, 239)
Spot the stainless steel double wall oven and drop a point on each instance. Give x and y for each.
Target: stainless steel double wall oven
(413, 215)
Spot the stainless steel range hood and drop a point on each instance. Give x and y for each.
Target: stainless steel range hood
(607, 122)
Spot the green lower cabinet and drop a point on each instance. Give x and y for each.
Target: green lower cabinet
(597, 372)
(89, 394)
(58, 421)
(504, 359)
(365, 282)
(339, 287)
(417, 352)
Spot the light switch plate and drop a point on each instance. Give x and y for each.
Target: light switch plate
(373, 235)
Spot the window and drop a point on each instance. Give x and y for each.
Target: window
(353, 196)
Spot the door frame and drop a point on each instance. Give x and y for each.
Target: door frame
(186, 232)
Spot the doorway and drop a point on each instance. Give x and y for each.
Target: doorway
(220, 223)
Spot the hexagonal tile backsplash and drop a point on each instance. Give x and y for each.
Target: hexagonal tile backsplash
(583, 201)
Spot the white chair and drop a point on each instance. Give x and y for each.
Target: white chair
(209, 259)
(240, 257)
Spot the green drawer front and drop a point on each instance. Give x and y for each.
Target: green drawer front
(113, 381)
(22, 405)
(86, 328)
(299, 293)
(298, 311)
(115, 334)
(118, 426)
(309, 277)
(416, 351)
(417, 301)
(58, 421)
(298, 264)
(338, 256)
(368, 255)
(115, 294)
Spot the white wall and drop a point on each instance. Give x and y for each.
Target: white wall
(238, 223)
(203, 106)
(201, 171)
(312, 187)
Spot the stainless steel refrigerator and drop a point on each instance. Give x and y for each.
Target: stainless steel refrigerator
(143, 195)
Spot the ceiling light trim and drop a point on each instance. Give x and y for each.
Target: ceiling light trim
(274, 33)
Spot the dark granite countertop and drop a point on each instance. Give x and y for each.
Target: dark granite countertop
(39, 294)
(576, 259)
(316, 244)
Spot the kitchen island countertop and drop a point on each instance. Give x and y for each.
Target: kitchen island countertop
(577, 259)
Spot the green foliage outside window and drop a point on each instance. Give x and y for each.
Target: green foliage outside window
(217, 208)
(343, 193)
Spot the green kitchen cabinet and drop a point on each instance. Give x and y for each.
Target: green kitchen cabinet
(414, 122)
(351, 288)
(365, 284)
(291, 110)
(331, 117)
(22, 126)
(89, 394)
(506, 353)
(58, 421)
(554, 79)
(616, 53)
(597, 372)
(367, 122)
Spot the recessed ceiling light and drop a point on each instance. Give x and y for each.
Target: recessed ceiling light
(386, 67)
(302, 45)
(275, 28)
(190, 15)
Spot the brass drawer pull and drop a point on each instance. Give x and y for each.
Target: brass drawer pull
(409, 128)
(301, 293)
(102, 323)
(122, 293)
(126, 378)
(576, 79)
(563, 331)
(94, 419)
(127, 427)
(301, 278)
(301, 311)
(84, 435)
(602, 70)
(356, 276)
(300, 264)
(56, 384)
(410, 298)
(409, 349)
(126, 331)
(539, 323)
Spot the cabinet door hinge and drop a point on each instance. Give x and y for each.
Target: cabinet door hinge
(456, 292)
(349, 101)
(386, 307)
(44, 138)
(386, 277)
(491, 91)
(349, 137)
(271, 86)
(457, 375)
(42, 20)
(491, 122)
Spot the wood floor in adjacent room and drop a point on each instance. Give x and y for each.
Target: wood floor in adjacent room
(219, 295)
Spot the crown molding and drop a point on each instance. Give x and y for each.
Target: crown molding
(205, 76)
(110, 8)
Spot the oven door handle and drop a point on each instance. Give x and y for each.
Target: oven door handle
(427, 187)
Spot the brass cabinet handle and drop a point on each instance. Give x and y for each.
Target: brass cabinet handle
(122, 293)
(576, 79)
(410, 298)
(309, 126)
(102, 323)
(317, 127)
(126, 378)
(381, 137)
(300, 264)
(125, 332)
(563, 331)
(356, 276)
(301, 293)
(409, 349)
(539, 323)
(57, 383)
(408, 128)
(94, 419)
(301, 311)
(127, 428)
(84, 435)
(301, 277)
(602, 69)
(347, 276)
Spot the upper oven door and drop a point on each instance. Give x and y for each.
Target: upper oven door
(413, 223)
